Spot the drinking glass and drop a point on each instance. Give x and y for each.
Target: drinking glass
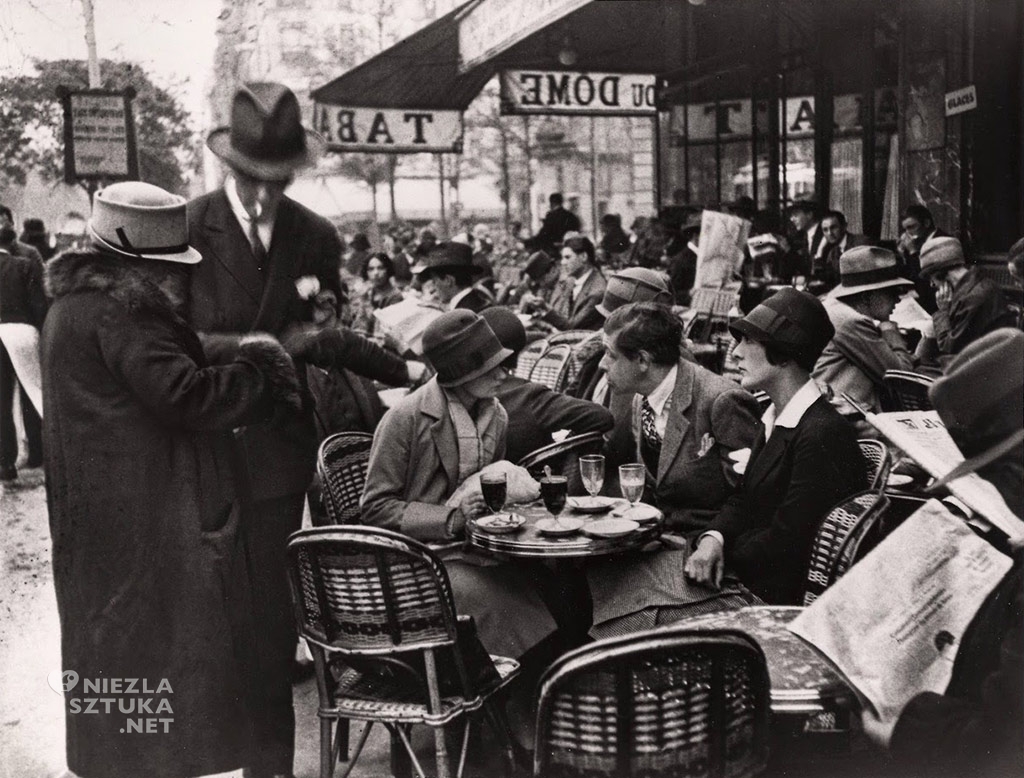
(631, 482)
(494, 487)
(592, 472)
(553, 490)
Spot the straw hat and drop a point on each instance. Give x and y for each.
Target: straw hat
(266, 138)
(462, 346)
(135, 219)
(866, 268)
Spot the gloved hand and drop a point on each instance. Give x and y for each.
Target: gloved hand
(318, 347)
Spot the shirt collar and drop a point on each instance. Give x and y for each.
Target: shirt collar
(794, 411)
(577, 285)
(663, 391)
(265, 225)
(457, 297)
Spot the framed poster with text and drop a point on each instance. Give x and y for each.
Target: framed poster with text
(99, 135)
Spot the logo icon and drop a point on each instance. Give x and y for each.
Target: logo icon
(62, 682)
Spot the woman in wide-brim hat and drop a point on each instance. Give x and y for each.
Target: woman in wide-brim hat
(423, 450)
(805, 458)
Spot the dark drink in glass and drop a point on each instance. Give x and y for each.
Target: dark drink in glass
(553, 490)
(495, 491)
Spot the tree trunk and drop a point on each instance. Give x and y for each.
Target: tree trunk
(392, 166)
(506, 183)
(373, 192)
(528, 151)
(440, 179)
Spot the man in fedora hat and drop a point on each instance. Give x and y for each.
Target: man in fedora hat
(260, 248)
(141, 492)
(804, 460)
(447, 274)
(866, 343)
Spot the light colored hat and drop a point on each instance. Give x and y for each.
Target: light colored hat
(462, 346)
(634, 285)
(266, 138)
(940, 253)
(135, 219)
(865, 268)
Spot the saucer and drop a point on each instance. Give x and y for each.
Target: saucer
(610, 528)
(500, 523)
(560, 527)
(641, 513)
(590, 504)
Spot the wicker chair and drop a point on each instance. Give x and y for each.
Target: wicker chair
(673, 702)
(571, 337)
(341, 464)
(905, 391)
(553, 367)
(382, 602)
(877, 461)
(855, 517)
(563, 458)
(528, 357)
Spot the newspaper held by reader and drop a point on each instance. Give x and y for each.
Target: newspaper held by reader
(894, 623)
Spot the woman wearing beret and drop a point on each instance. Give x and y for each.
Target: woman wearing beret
(425, 447)
(804, 461)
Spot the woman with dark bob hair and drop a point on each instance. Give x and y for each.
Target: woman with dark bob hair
(377, 271)
(574, 302)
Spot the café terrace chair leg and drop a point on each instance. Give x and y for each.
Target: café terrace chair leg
(499, 725)
(402, 757)
(359, 746)
(433, 687)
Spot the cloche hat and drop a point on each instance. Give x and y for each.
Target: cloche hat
(794, 323)
(634, 285)
(940, 253)
(266, 138)
(135, 219)
(866, 268)
(461, 346)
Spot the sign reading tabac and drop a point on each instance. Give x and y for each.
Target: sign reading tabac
(494, 25)
(99, 134)
(562, 92)
(388, 130)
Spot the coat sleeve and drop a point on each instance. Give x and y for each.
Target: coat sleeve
(587, 318)
(734, 418)
(144, 352)
(365, 358)
(967, 317)
(384, 501)
(556, 411)
(871, 349)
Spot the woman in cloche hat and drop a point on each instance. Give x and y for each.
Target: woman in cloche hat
(805, 458)
(142, 509)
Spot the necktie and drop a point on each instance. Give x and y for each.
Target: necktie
(259, 253)
(650, 448)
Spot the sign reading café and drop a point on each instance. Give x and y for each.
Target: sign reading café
(388, 130)
(576, 93)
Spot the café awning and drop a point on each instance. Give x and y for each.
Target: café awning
(408, 98)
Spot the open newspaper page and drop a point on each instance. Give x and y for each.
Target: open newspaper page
(720, 251)
(406, 321)
(923, 436)
(22, 344)
(894, 623)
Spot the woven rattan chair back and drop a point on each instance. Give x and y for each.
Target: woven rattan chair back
(367, 590)
(854, 516)
(905, 391)
(528, 358)
(341, 464)
(551, 368)
(877, 463)
(563, 458)
(570, 337)
(665, 703)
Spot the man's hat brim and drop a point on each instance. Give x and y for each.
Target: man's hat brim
(849, 291)
(219, 142)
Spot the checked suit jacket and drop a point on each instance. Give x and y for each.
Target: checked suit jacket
(230, 298)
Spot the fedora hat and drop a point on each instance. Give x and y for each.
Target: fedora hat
(538, 265)
(940, 253)
(507, 327)
(866, 268)
(461, 346)
(448, 256)
(792, 322)
(634, 285)
(266, 139)
(135, 219)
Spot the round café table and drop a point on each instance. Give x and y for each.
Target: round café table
(527, 542)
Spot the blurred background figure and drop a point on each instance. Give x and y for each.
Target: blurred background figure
(36, 236)
(377, 271)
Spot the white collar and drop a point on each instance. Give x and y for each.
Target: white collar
(457, 297)
(265, 225)
(663, 391)
(577, 285)
(793, 412)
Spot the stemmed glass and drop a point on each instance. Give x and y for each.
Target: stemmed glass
(631, 482)
(592, 472)
(553, 490)
(494, 487)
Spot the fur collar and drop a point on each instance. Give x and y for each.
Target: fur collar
(93, 271)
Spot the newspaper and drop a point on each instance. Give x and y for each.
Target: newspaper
(22, 344)
(909, 315)
(894, 623)
(406, 321)
(720, 251)
(923, 436)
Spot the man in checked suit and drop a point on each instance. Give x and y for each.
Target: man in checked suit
(263, 253)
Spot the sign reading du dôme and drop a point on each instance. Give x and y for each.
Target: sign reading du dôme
(388, 130)
(564, 92)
